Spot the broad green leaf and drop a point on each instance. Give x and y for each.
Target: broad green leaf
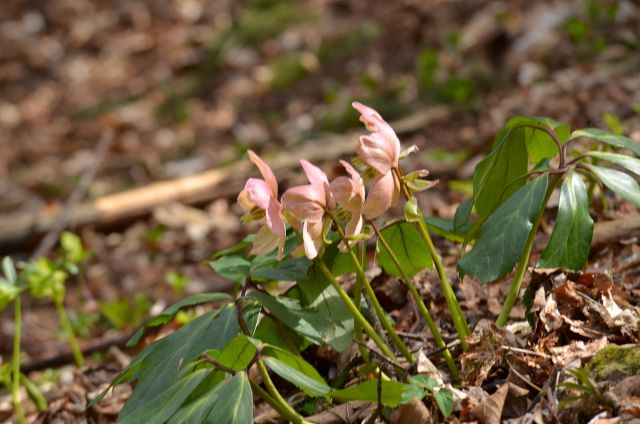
(608, 138)
(295, 370)
(318, 293)
(408, 246)
(391, 394)
(275, 333)
(238, 247)
(169, 313)
(424, 381)
(158, 366)
(304, 321)
(410, 391)
(497, 176)
(627, 162)
(570, 240)
(235, 402)
(462, 215)
(202, 400)
(539, 143)
(159, 407)
(503, 236)
(444, 400)
(445, 228)
(9, 270)
(619, 182)
(237, 354)
(233, 267)
(286, 270)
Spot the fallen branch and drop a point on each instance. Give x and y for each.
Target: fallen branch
(19, 231)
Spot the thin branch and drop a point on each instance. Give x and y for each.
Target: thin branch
(217, 364)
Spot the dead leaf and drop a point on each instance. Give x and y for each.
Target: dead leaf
(414, 412)
(563, 355)
(490, 410)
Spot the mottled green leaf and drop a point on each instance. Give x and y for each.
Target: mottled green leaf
(502, 237)
(570, 240)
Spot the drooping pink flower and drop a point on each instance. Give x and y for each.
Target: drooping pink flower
(349, 193)
(381, 151)
(308, 203)
(263, 194)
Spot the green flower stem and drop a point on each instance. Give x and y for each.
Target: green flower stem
(459, 320)
(357, 294)
(514, 289)
(15, 361)
(382, 345)
(68, 332)
(274, 398)
(397, 341)
(421, 306)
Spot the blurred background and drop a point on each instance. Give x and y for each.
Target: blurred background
(183, 87)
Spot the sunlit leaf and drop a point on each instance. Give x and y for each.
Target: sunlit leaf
(608, 138)
(627, 162)
(296, 370)
(408, 246)
(235, 402)
(391, 393)
(237, 354)
(570, 240)
(619, 182)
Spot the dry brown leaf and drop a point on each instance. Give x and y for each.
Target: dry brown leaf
(414, 412)
(489, 411)
(563, 355)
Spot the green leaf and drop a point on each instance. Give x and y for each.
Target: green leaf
(445, 228)
(424, 381)
(619, 182)
(159, 407)
(304, 321)
(607, 138)
(235, 402)
(391, 393)
(72, 246)
(318, 293)
(34, 393)
(295, 370)
(503, 236)
(232, 267)
(158, 366)
(462, 215)
(410, 391)
(9, 270)
(570, 240)
(627, 162)
(286, 270)
(202, 400)
(408, 246)
(237, 354)
(170, 312)
(497, 176)
(444, 400)
(238, 247)
(540, 144)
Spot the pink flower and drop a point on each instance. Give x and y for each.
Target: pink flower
(308, 203)
(381, 151)
(263, 195)
(349, 193)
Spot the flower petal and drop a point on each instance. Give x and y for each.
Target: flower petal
(255, 192)
(312, 237)
(305, 201)
(383, 193)
(358, 185)
(314, 174)
(266, 172)
(386, 135)
(377, 152)
(275, 222)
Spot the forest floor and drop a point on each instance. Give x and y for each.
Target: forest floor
(187, 86)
